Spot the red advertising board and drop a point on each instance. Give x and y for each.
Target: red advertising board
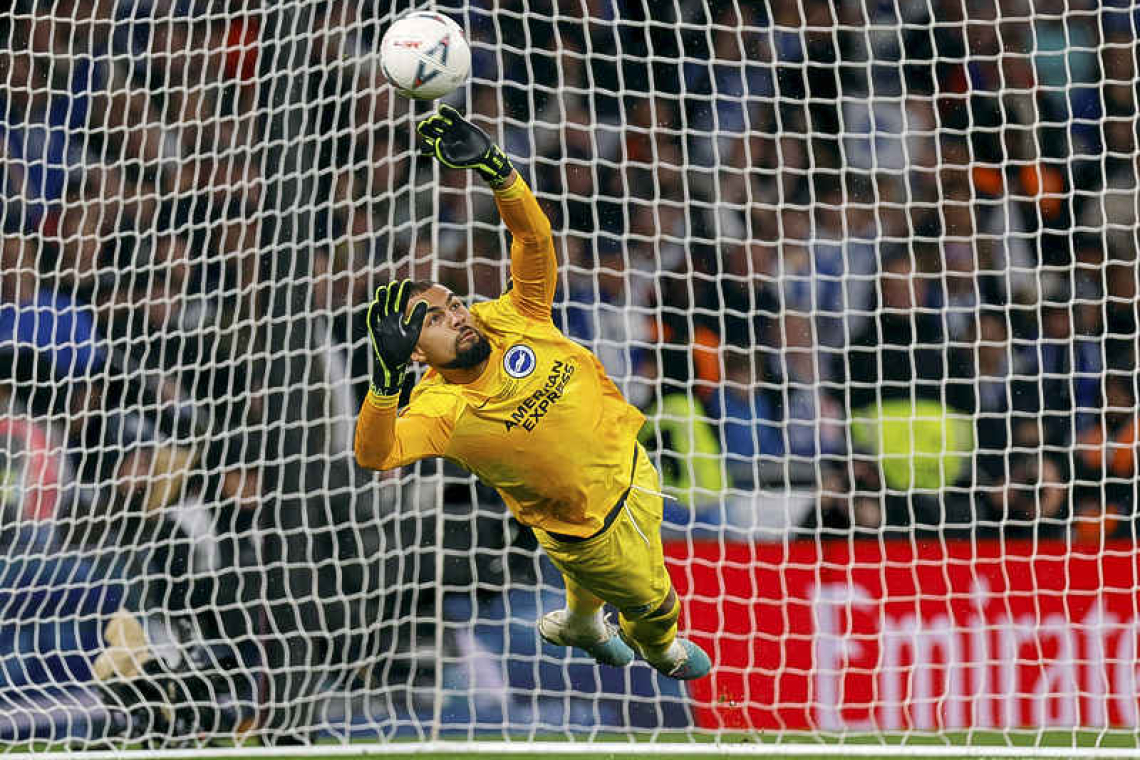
(923, 635)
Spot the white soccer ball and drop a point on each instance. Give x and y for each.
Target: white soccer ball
(425, 56)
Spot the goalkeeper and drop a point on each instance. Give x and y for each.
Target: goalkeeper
(534, 415)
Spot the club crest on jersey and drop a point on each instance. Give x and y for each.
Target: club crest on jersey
(519, 361)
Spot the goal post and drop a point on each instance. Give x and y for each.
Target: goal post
(869, 270)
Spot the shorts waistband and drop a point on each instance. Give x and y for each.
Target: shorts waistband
(610, 517)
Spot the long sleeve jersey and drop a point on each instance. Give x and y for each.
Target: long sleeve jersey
(544, 425)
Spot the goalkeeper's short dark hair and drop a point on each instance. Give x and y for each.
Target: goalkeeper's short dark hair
(415, 288)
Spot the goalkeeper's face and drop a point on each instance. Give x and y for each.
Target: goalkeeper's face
(449, 339)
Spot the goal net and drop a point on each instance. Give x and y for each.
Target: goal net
(869, 269)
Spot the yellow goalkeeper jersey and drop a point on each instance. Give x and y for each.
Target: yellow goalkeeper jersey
(544, 425)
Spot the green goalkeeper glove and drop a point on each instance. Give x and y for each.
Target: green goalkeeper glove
(393, 337)
(459, 144)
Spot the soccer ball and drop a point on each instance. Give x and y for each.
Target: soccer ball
(425, 56)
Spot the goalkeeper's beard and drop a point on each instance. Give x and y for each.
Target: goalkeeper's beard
(470, 356)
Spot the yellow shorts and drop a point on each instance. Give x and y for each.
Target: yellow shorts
(625, 565)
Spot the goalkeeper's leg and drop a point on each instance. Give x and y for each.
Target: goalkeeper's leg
(625, 566)
(655, 638)
(652, 630)
(582, 625)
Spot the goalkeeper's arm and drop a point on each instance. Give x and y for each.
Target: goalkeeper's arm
(534, 266)
(457, 143)
(382, 442)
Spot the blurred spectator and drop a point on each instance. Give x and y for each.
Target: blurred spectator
(813, 420)
(748, 293)
(341, 295)
(889, 134)
(340, 308)
(1111, 211)
(850, 500)
(195, 671)
(1034, 501)
(41, 322)
(775, 421)
(747, 407)
(900, 352)
(997, 395)
(34, 479)
(892, 380)
(971, 275)
(829, 262)
(35, 127)
(1107, 450)
(684, 322)
(683, 444)
(608, 312)
(1066, 72)
(725, 84)
(1067, 367)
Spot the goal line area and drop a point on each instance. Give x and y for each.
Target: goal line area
(979, 745)
(857, 284)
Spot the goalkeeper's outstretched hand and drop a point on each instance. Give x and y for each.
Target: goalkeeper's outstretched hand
(393, 337)
(459, 144)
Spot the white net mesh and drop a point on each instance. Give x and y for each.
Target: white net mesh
(869, 268)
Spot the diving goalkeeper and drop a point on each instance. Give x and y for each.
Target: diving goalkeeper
(533, 414)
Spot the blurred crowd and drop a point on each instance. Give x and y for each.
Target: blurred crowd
(150, 423)
(789, 231)
(130, 178)
(882, 253)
